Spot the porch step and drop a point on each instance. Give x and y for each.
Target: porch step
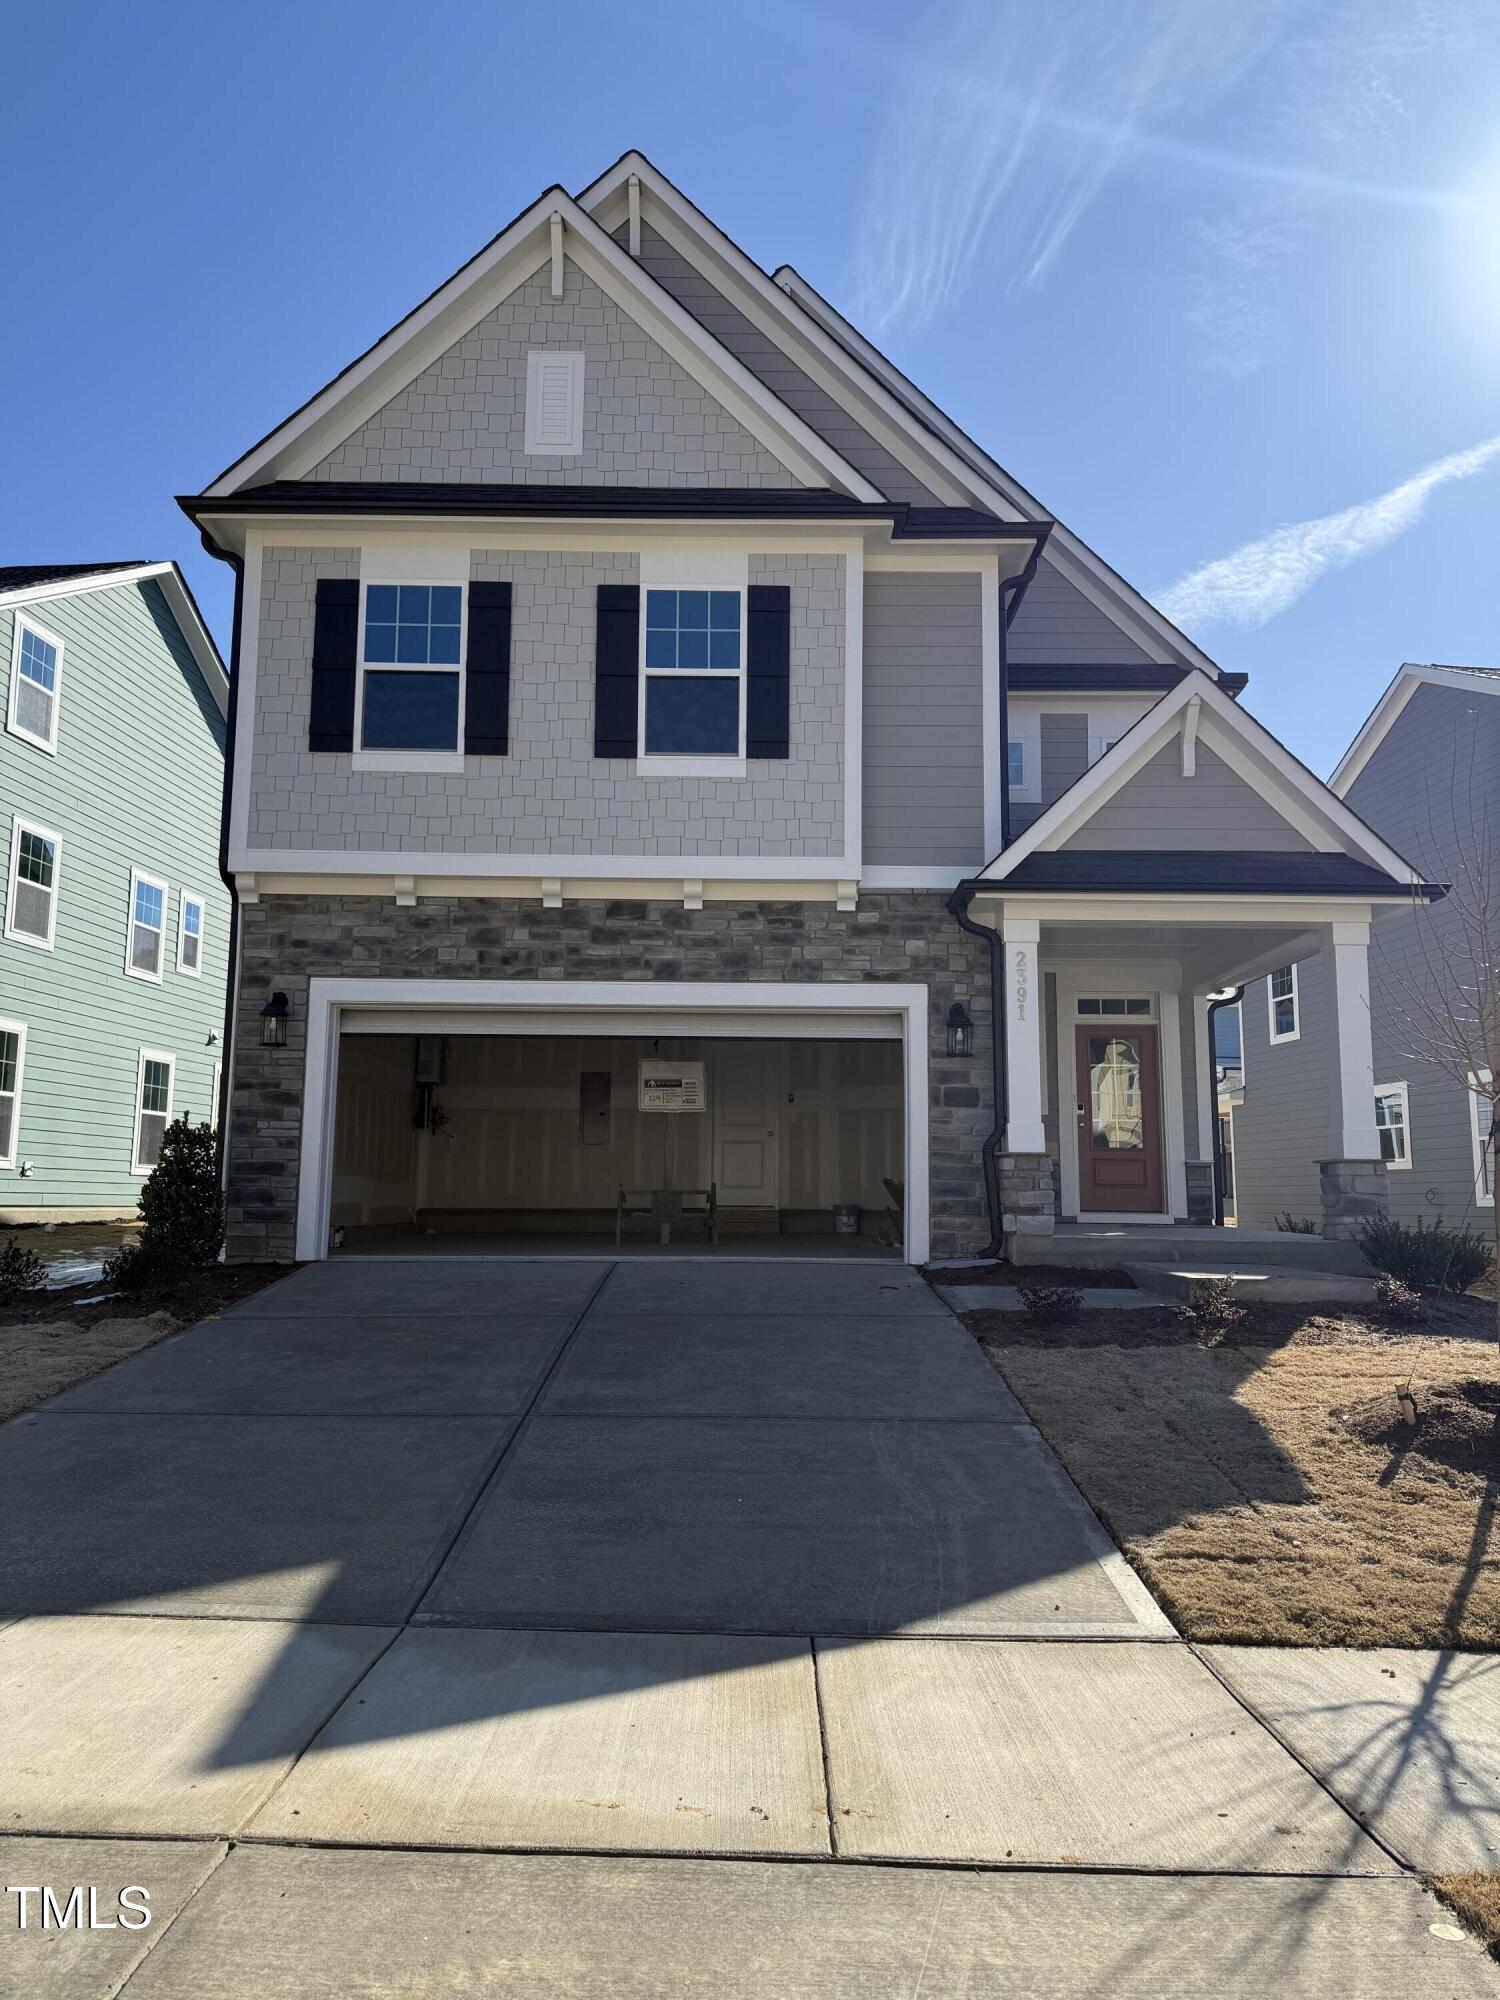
(1185, 1244)
(1264, 1284)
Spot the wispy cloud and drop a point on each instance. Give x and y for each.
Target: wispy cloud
(1261, 578)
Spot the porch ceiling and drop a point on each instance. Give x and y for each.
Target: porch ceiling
(1209, 954)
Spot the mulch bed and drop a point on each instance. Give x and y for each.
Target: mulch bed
(1458, 1425)
(191, 1298)
(1081, 1278)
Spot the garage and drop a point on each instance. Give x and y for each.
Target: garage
(574, 1120)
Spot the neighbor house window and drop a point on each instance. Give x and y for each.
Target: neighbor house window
(31, 906)
(1481, 1113)
(1393, 1123)
(35, 685)
(1282, 989)
(148, 926)
(411, 667)
(1016, 764)
(190, 934)
(693, 687)
(12, 1061)
(153, 1109)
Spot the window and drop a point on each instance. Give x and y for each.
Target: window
(153, 1109)
(1281, 990)
(1481, 1112)
(554, 403)
(190, 934)
(1121, 1006)
(213, 1108)
(148, 925)
(1016, 754)
(411, 659)
(31, 907)
(693, 686)
(1393, 1123)
(12, 1062)
(35, 684)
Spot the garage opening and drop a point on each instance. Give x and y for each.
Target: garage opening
(679, 1143)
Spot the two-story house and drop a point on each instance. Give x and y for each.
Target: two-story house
(115, 928)
(1425, 770)
(645, 696)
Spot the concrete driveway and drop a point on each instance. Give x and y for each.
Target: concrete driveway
(657, 1567)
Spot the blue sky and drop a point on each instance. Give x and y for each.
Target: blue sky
(1220, 284)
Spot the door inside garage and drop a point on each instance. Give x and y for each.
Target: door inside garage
(697, 1143)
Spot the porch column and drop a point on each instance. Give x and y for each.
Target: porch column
(1023, 1036)
(1352, 1177)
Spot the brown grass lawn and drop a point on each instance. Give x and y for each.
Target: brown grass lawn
(1476, 1898)
(1251, 1509)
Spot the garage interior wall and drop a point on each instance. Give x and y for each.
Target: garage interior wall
(794, 1126)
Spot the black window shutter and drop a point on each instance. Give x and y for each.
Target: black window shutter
(768, 665)
(487, 692)
(330, 723)
(617, 669)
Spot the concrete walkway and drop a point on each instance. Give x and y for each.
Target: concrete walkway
(451, 1626)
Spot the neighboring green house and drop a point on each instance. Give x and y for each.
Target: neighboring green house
(114, 922)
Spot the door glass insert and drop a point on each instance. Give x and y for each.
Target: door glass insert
(1116, 1122)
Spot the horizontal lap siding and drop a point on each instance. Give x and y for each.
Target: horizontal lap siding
(136, 783)
(1058, 625)
(923, 717)
(1281, 1130)
(1162, 810)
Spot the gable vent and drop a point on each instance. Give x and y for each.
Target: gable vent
(554, 402)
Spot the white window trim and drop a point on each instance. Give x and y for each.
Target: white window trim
(134, 971)
(1294, 1033)
(213, 1109)
(412, 760)
(1397, 1090)
(692, 764)
(1479, 1107)
(23, 624)
(143, 1057)
(1024, 729)
(18, 826)
(551, 357)
(18, 1029)
(184, 897)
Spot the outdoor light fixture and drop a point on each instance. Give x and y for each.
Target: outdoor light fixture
(273, 1020)
(960, 1030)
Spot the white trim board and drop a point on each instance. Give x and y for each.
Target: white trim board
(1386, 712)
(573, 1003)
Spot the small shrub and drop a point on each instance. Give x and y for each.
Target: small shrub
(1295, 1225)
(1430, 1257)
(1210, 1306)
(21, 1271)
(182, 1208)
(1049, 1302)
(1395, 1299)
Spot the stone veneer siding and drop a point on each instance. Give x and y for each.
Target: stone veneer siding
(550, 794)
(646, 422)
(906, 938)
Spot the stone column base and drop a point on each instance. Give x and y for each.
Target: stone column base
(1200, 1191)
(1027, 1205)
(1352, 1193)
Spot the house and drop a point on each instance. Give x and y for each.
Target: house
(1424, 770)
(671, 758)
(115, 939)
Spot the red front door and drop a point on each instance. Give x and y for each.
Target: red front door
(1119, 1121)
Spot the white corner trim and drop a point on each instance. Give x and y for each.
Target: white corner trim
(329, 999)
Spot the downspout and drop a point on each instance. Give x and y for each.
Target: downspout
(1231, 997)
(1012, 590)
(231, 992)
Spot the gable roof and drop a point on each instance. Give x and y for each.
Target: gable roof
(1198, 708)
(1378, 723)
(43, 581)
(506, 261)
(875, 391)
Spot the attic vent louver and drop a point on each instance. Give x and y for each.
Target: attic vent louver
(554, 403)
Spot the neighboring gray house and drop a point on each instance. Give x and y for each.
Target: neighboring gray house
(1425, 771)
(114, 922)
(669, 755)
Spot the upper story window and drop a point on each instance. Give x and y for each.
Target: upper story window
(35, 685)
(1393, 1123)
(411, 667)
(693, 686)
(1281, 990)
(554, 403)
(31, 905)
(148, 926)
(190, 934)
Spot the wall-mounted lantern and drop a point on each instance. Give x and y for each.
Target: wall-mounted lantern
(960, 1030)
(273, 1020)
